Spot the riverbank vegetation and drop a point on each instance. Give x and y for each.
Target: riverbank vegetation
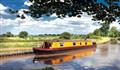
(23, 41)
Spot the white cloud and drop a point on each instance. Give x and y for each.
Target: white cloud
(2, 7)
(28, 3)
(50, 24)
(71, 24)
(116, 24)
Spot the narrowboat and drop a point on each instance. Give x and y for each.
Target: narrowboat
(53, 47)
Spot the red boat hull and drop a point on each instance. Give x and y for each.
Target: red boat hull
(59, 50)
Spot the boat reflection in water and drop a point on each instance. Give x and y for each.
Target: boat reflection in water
(64, 57)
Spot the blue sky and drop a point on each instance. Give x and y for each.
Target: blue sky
(43, 25)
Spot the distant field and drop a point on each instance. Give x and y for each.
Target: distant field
(17, 44)
(29, 39)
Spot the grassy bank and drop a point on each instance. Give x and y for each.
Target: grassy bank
(15, 44)
(102, 40)
(29, 39)
(11, 47)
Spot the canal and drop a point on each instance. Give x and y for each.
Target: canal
(105, 57)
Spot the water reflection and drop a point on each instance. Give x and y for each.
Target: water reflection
(105, 57)
(64, 58)
(104, 51)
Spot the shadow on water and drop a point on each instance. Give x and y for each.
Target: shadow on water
(105, 57)
(64, 58)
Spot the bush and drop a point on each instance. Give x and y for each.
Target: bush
(23, 34)
(95, 37)
(65, 35)
(118, 39)
(113, 41)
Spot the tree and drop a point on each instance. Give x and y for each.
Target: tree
(9, 34)
(65, 35)
(3, 35)
(23, 34)
(104, 28)
(97, 32)
(75, 8)
(106, 12)
(114, 32)
(89, 35)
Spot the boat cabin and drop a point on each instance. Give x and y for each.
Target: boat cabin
(63, 44)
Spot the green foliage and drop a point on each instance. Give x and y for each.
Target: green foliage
(97, 32)
(76, 36)
(43, 35)
(92, 36)
(65, 35)
(23, 34)
(104, 31)
(95, 37)
(18, 44)
(105, 28)
(89, 35)
(9, 34)
(114, 32)
(118, 39)
(75, 8)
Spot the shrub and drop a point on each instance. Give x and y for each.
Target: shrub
(23, 34)
(65, 35)
(113, 41)
(119, 39)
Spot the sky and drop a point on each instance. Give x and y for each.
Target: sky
(44, 25)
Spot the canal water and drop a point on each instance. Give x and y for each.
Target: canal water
(105, 57)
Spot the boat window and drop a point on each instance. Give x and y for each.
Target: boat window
(47, 44)
(80, 43)
(85, 43)
(61, 44)
(94, 43)
(74, 43)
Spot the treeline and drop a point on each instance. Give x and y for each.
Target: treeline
(113, 32)
(48, 35)
(24, 34)
(9, 34)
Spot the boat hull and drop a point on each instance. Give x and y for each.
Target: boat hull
(43, 51)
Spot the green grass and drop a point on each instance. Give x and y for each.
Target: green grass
(29, 39)
(15, 44)
(11, 47)
(102, 40)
